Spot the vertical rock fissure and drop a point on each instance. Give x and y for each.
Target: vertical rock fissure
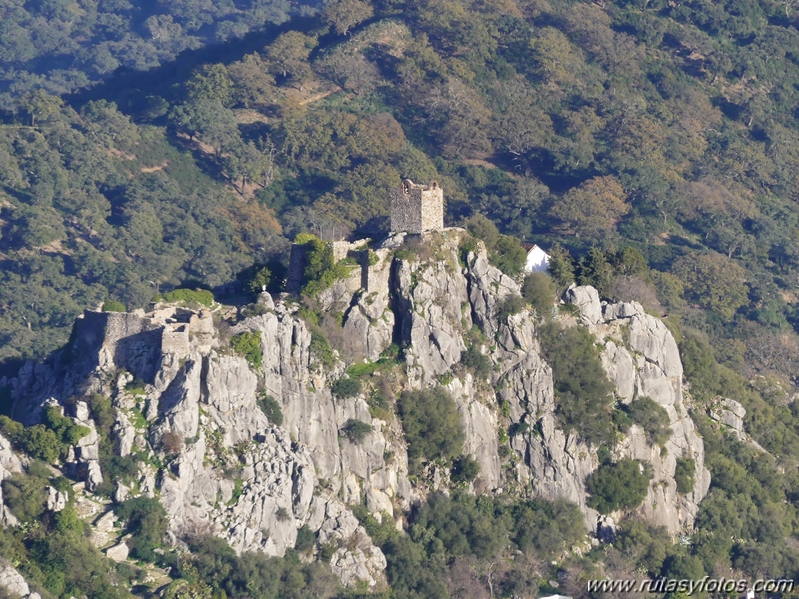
(394, 303)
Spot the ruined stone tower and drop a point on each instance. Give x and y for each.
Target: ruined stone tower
(417, 208)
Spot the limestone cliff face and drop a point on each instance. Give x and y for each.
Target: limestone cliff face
(256, 484)
(13, 582)
(641, 359)
(9, 464)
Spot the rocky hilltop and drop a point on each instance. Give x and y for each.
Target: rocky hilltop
(190, 408)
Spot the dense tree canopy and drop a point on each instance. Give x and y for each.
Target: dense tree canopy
(61, 46)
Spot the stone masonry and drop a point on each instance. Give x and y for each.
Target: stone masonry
(417, 208)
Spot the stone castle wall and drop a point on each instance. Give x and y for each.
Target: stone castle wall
(133, 341)
(175, 340)
(296, 270)
(106, 329)
(416, 208)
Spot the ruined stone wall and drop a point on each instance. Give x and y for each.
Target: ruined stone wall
(416, 208)
(432, 208)
(105, 329)
(341, 249)
(295, 276)
(406, 210)
(175, 340)
(296, 270)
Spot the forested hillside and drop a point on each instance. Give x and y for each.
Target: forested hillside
(62, 46)
(665, 128)
(651, 146)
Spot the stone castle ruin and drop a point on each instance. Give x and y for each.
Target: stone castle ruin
(417, 208)
(138, 339)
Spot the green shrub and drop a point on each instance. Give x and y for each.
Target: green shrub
(378, 403)
(483, 228)
(465, 469)
(596, 270)
(621, 419)
(644, 545)
(518, 428)
(463, 525)
(68, 520)
(445, 531)
(511, 305)
(379, 532)
(260, 280)
(11, 429)
(144, 518)
(68, 432)
(508, 255)
(362, 369)
(344, 388)
(53, 419)
(251, 310)
(308, 315)
(504, 251)
(238, 489)
(248, 345)
(116, 467)
(102, 412)
(406, 254)
(540, 291)
(477, 362)
(320, 348)
(303, 238)
(75, 433)
(57, 560)
(432, 425)
(306, 539)
(561, 266)
(547, 527)
(271, 408)
(25, 496)
(40, 443)
(651, 417)
(136, 386)
(356, 430)
(680, 566)
(618, 486)
(113, 306)
(468, 244)
(197, 297)
(251, 574)
(583, 397)
(684, 475)
(321, 270)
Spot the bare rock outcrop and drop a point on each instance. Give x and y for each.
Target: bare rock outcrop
(9, 464)
(219, 465)
(730, 413)
(587, 301)
(431, 298)
(648, 365)
(14, 583)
